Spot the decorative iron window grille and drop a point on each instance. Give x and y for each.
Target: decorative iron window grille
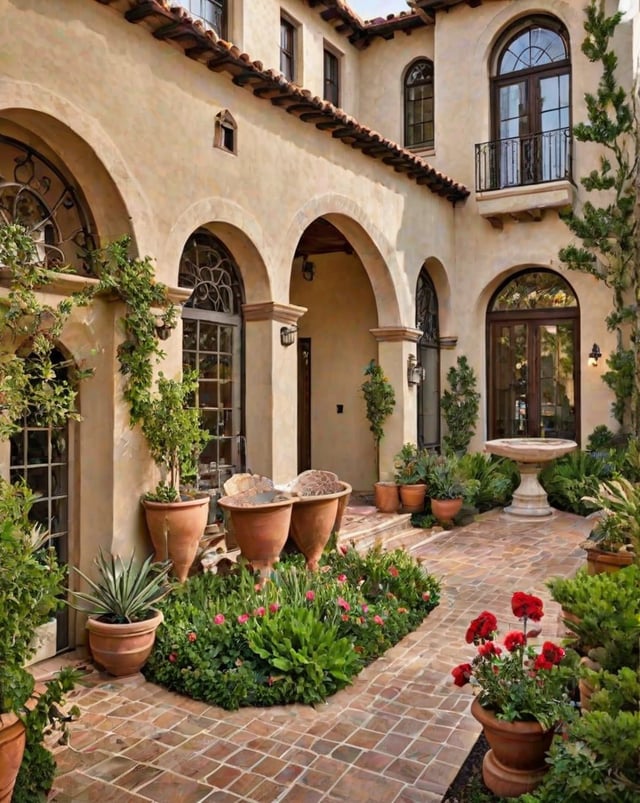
(210, 271)
(37, 195)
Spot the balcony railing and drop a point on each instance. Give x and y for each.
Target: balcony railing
(211, 12)
(519, 161)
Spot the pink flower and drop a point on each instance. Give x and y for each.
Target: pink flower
(274, 607)
(192, 637)
(426, 596)
(218, 619)
(378, 620)
(344, 604)
(343, 549)
(393, 571)
(365, 608)
(260, 611)
(342, 578)
(173, 657)
(310, 595)
(243, 618)
(257, 587)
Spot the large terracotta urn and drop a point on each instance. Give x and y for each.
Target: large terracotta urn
(312, 521)
(175, 529)
(12, 743)
(515, 764)
(122, 649)
(261, 525)
(343, 500)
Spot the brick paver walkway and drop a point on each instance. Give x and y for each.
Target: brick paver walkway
(399, 734)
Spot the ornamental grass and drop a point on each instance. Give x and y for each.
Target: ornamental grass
(299, 637)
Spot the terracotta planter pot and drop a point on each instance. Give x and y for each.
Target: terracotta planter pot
(176, 529)
(412, 497)
(387, 498)
(445, 510)
(599, 561)
(261, 528)
(312, 520)
(343, 501)
(13, 738)
(122, 649)
(515, 764)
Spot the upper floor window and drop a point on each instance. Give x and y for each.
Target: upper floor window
(287, 49)
(212, 12)
(331, 77)
(531, 113)
(418, 105)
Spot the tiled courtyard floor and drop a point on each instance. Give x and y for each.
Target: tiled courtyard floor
(399, 734)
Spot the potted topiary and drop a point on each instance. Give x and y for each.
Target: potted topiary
(380, 400)
(31, 587)
(123, 619)
(176, 521)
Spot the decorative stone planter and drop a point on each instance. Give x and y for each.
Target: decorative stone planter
(515, 764)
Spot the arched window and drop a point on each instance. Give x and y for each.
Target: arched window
(429, 358)
(418, 105)
(531, 103)
(533, 329)
(212, 345)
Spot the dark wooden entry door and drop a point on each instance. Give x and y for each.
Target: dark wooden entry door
(533, 381)
(304, 403)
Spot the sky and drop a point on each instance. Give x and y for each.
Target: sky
(369, 9)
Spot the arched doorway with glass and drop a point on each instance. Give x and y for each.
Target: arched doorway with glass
(429, 358)
(212, 345)
(533, 376)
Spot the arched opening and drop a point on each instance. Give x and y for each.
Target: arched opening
(532, 341)
(419, 105)
(429, 357)
(212, 345)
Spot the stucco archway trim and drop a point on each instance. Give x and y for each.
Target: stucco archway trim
(376, 253)
(239, 231)
(32, 99)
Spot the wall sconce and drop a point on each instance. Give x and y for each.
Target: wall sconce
(415, 372)
(288, 335)
(594, 355)
(308, 270)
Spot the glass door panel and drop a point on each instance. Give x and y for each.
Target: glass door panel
(510, 360)
(513, 125)
(557, 384)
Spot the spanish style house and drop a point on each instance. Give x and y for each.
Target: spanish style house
(318, 191)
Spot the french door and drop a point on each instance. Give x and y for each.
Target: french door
(533, 383)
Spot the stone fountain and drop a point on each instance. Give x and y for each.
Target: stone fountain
(530, 498)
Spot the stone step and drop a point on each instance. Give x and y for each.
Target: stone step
(365, 526)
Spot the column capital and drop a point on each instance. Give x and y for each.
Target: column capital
(396, 334)
(273, 311)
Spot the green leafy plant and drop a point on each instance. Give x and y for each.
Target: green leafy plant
(380, 401)
(411, 465)
(445, 479)
(172, 427)
(619, 526)
(460, 404)
(571, 478)
(234, 641)
(125, 591)
(601, 439)
(493, 480)
(516, 681)
(31, 378)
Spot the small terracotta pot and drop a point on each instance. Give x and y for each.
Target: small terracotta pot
(445, 510)
(599, 561)
(122, 649)
(12, 743)
(386, 497)
(412, 497)
(515, 764)
(176, 529)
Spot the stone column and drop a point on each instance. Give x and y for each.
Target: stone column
(271, 376)
(395, 344)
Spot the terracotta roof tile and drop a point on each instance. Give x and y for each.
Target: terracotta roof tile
(168, 21)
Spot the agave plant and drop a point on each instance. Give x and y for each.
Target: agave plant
(619, 500)
(126, 592)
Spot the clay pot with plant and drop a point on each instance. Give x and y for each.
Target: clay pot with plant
(380, 401)
(176, 521)
(447, 488)
(411, 466)
(615, 540)
(121, 604)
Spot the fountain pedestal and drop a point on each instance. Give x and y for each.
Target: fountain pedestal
(530, 498)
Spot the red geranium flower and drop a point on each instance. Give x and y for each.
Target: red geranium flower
(515, 639)
(481, 627)
(489, 648)
(192, 637)
(526, 605)
(552, 652)
(393, 571)
(461, 674)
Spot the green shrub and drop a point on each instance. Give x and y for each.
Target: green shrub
(570, 478)
(496, 479)
(301, 636)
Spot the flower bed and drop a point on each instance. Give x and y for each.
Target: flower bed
(299, 637)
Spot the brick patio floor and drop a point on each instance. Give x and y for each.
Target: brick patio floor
(399, 734)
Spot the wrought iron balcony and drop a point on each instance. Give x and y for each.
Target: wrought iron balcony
(520, 161)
